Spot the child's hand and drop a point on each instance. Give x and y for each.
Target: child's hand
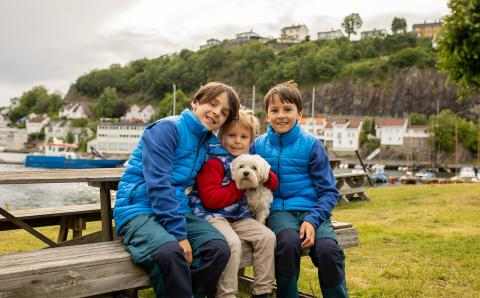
(187, 250)
(307, 234)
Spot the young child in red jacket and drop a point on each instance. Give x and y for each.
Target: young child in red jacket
(218, 200)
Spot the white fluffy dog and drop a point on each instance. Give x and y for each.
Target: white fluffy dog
(249, 173)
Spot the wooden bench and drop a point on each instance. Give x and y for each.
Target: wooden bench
(352, 186)
(73, 217)
(91, 269)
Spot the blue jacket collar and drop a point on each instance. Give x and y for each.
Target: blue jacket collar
(286, 138)
(193, 123)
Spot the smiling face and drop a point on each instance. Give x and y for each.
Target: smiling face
(282, 116)
(237, 139)
(213, 113)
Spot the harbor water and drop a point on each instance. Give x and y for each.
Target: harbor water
(25, 196)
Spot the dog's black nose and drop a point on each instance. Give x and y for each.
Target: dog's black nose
(246, 174)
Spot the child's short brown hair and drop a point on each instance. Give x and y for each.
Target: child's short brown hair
(247, 119)
(210, 91)
(287, 92)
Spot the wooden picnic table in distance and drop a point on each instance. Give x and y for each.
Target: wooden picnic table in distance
(106, 179)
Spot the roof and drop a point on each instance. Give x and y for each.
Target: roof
(433, 24)
(382, 122)
(293, 27)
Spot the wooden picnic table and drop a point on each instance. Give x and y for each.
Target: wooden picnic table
(107, 180)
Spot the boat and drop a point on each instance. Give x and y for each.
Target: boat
(378, 176)
(58, 155)
(466, 174)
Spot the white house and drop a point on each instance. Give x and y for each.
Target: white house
(338, 133)
(139, 113)
(3, 120)
(75, 111)
(61, 129)
(330, 35)
(210, 43)
(375, 33)
(35, 123)
(246, 36)
(293, 34)
(13, 138)
(346, 134)
(391, 131)
(117, 137)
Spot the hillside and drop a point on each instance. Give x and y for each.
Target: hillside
(389, 77)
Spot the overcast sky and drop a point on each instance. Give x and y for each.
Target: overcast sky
(53, 42)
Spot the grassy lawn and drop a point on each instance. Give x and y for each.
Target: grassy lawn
(415, 241)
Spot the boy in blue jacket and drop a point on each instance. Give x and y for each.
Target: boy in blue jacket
(183, 254)
(303, 202)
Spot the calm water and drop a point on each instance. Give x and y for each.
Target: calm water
(23, 196)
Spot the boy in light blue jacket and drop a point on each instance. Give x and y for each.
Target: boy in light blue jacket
(183, 254)
(303, 202)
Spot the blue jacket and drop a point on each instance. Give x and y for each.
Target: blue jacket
(161, 170)
(306, 181)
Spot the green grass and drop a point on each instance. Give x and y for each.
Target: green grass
(415, 241)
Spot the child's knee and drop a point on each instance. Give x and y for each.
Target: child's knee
(269, 238)
(288, 239)
(326, 252)
(168, 253)
(235, 245)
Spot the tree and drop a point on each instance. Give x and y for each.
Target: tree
(399, 24)
(459, 43)
(106, 103)
(165, 107)
(351, 23)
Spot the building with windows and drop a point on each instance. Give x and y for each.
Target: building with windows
(330, 35)
(139, 113)
(75, 111)
(210, 43)
(117, 137)
(375, 33)
(427, 30)
(293, 34)
(13, 138)
(391, 131)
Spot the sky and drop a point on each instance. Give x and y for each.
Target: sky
(53, 42)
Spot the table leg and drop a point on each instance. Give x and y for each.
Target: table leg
(26, 227)
(106, 212)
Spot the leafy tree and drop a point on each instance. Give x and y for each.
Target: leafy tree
(165, 107)
(70, 139)
(351, 23)
(399, 24)
(36, 100)
(412, 57)
(459, 44)
(417, 119)
(109, 105)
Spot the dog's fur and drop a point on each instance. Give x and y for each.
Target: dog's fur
(249, 173)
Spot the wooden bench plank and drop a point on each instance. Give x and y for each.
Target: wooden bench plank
(86, 270)
(50, 216)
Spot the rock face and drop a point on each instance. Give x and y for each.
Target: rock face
(408, 91)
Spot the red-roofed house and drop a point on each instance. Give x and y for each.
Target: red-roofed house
(391, 131)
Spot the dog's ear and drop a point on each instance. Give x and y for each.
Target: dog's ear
(263, 168)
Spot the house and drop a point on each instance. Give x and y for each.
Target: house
(375, 33)
(34, 123)
(346, 134)
(139, 113)
(391, 131)
(210, 43)
(3, 120)
(338, 133)
(416, 142)
(13, 138)
(75, 111)
(427, 30)
(246, 36)
(116, 137)
(330, 35)
(293, 34)
(61, 129)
